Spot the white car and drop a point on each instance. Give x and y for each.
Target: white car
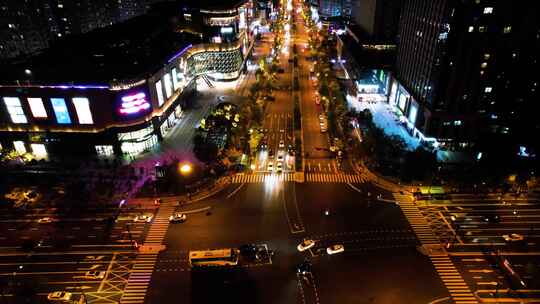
(281, 144)
(305, 245)
(514, 237)
(94, 274)
(270, 166)
(335, 249)
(177, 217)
(45, 220)
(62, 296)
(147, 217)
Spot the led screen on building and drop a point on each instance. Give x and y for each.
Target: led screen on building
(168, 85)
(37, 108)
(60, 110)
(159, 92)
(82, 107)
(174, 79)
(15, 110)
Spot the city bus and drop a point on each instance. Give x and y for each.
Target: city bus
(214, 257)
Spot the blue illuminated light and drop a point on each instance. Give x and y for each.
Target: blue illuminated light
(180, 53)
(60, 110)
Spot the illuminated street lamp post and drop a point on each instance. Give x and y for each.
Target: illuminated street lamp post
(185, 168)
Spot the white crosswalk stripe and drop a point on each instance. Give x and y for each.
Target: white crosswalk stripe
(335, 178)
(139, 279)
(141, 273)
(458, 289)
(289, 177)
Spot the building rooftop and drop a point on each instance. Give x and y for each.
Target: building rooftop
(129, 50)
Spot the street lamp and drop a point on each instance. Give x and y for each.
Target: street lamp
(185, 168)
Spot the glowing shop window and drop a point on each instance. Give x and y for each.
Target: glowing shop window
(471, 29)
(15, 110)
(488, 10)
(104, 150)
(39, 151)
(82, 107)
(174, 79)
(168, 88)
(159, 91)
(488, 89)
(19, 147)
(37, 108)
(60, 110)
(507, 29)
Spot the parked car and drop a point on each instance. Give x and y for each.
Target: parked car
(45, 220)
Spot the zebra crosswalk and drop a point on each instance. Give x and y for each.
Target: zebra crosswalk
(139, 279)
(141, 273)
(418, 223)
(452, 279)
(289, 177)
(335, 178)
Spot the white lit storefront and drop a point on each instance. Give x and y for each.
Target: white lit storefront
(136, 142)
(173, 119)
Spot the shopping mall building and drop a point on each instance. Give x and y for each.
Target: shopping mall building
(118, 90)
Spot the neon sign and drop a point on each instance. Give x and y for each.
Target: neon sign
(134, 103)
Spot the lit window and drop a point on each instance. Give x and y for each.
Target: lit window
(39, 151)
(159, 91)
(15, 110)
(60, 110)
(481, 72)
(488, 89)
(82, 107)
(19, 147)
(488, 10)
(457, 122)
(471, 29)
(60, 5)
(105, 150)
(486, 56)
(483, 65)
(174, 79)
(37, 108)
(167, 82)
(507, 29)
(482, 29)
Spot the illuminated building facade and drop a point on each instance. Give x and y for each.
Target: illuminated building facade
(463, 69)
(112, 92)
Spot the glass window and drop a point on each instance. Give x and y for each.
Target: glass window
(488, 10)
(471, 29)
(60, 110)
(482, 29)
(15, 110)
(507, 29)
(19, 147)
(82, 107)
(168, 88)
(174, 79)
(104, 150)
(39, 151)
(159, 92)
(488, 89)
(37, 107)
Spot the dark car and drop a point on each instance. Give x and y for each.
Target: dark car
(304, 267)
(281, 71)
(491, 218)
(248, 250)
(270, 153)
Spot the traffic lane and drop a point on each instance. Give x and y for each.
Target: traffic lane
(254, 214)
(348, 209)
(382, 276)
(60, 273)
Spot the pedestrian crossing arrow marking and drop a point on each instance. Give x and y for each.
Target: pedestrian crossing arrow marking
(481, 270)
(487, 283)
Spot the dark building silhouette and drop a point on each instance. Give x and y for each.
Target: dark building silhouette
(378, 18)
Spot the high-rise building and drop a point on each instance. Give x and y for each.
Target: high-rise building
(467, 71)
(29, 26)
(378, 18)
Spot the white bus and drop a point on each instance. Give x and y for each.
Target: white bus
(215, 257)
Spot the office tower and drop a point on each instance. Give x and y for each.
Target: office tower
(378, 18)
